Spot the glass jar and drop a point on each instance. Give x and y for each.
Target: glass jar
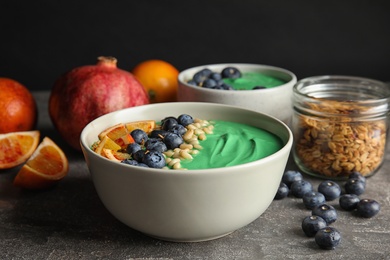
(340, 125)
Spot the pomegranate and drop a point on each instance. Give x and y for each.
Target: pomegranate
(87, 92)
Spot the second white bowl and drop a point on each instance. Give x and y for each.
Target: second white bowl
(274, 101)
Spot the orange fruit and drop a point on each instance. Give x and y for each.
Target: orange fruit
(159, 78)
(146, 125)
(119, 134)
(17, 147)
(115, 155)
(46, 166)
(18, 110)
(105, 143)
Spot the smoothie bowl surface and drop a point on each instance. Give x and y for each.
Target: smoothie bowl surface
(261, 88)
(187, 205)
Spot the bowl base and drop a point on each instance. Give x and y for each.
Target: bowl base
(189, 240)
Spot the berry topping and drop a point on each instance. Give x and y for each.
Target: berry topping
(185, 119)
(201, 76)
(157, 133)
(154, 159)
(139, 155)
(178, 129)
(130, 162)
(209, 83)
(155, 144)
(132, 148)
(173, 140)
(168, 123)
(231, 73)
(139, 136)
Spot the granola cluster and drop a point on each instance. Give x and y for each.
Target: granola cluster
(338, 145)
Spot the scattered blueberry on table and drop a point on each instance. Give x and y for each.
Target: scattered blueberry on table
(318, 224)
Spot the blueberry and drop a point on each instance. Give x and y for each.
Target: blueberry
(154, 159)
(298, 188)
(130, 162)
(139, 155)
(201, 76)
(185, 119)
(132, 148)
(209, 83)
(312, 199)
(355, 186)
(282, 192)
(155, 144)
(178, 129)
(157, 133)
(349, 201)
(357, 175)
(173, 140)
(139, 136)
(327, 238)
(231, 73)
(367, 208)
(219, 87)
(330, 189)
(259, 87)
(192, 82)
(226, 86)
(311, 224)
(325, 211)
(215, 76)
(290, 176)
(142, 165)
(168, 123)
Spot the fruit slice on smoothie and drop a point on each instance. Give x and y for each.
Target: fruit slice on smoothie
(46, 166)
(146, 125)
(119, 134)
(105, 143)
(115, 155)
(17, 147)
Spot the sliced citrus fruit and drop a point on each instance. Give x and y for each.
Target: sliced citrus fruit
(107, 143)
(114, 132)
(115, 155)
(119, 134)
(145, 125)
(46, 166)
(17, 147)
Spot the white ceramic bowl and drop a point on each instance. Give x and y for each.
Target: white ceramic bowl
(274, 101)
(187, 205)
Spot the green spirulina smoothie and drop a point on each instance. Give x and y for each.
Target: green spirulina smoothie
(250, 80)
(233, 144)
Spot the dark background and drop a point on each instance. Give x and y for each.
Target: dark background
(40, 40)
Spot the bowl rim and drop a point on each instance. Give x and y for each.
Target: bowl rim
(289, 73)
(182, 172)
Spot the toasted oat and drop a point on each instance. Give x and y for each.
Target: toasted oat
(340, 144)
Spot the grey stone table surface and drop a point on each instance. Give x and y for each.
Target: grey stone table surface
(70, 222)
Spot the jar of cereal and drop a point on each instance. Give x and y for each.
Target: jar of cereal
(340, 125)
